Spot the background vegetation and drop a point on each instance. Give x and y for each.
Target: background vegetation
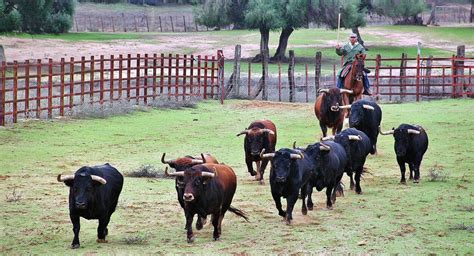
(433, 217)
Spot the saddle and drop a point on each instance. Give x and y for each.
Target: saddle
(345, 71)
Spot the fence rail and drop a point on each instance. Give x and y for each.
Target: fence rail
(46, 89)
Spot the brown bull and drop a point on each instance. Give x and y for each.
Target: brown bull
(182, 163)
(327, 109)
(259, 135)
(208, 189)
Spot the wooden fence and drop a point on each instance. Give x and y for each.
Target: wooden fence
(44, 90)
(392, 79)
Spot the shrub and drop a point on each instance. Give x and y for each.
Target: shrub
(58, 23)
(437, 173)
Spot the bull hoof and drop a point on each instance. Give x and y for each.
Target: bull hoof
(261, 182)
(282, 214)
(288, 222)
(403, 182)
(310, 208)
(359, 192)
(199, 225)
(339, 193)
(253, 173)
(217, 238)
(191, 239)
(304, 211)
(329, 207)
(416, 181)
(101, 241)
(75, 246)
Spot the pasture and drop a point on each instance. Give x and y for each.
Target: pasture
(430, 217)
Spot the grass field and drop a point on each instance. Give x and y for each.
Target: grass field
(426, 218)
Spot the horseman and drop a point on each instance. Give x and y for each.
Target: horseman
(349, 51)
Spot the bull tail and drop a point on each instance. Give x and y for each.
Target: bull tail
(238, 213)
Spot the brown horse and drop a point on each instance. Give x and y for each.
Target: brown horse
(354, 80)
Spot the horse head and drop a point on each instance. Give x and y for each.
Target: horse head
(358, 66)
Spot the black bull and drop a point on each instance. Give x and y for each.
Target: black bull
(411, 143)
(93, 194)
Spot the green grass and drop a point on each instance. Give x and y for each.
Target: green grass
(388, 218)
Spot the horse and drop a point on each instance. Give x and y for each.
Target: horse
(354, 80)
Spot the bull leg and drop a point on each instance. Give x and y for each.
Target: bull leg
(249, 162)
(262, 169)
(76, 227)
(277, 199)
(309, 192)
(102, 229)
(416, 167)
(329, 190)
(189, 226)
(412, 170)
(259, 173)
(216, 222)
(290, 204)
(358, 174)
(401, 163)
(324, 129)
(201, 221)
(351, 186)
(337, 129)
(304, 209)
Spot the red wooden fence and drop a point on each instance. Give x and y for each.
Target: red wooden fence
(46, 89)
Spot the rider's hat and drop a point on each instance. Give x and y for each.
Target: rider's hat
(352, 35)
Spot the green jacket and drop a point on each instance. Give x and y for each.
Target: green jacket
(349, 52)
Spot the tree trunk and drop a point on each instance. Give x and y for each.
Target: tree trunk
(264, 38)
(432, 18)
(355, 30)
(282, 45)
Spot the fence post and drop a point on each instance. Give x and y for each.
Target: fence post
(236, 73)
(249, 80)
(27, 88)
(91, 85)
(265, 74)
(378, 62)
(2, 94)
(161, 28)
(461, 51)
(113, 24)
(38, 88)
(291, 75)
(101, 82)
(83, 70)
(112, 73)
(417, 79)
(50, 88)
(137, 84)
(403, 65)
(145, 82)
(71, 83)
(206, 60)
(427, 81)
(15, 91)
(184, 21)
(77, 27)
(102, 23)
(147, 26)
(306, 81)
(120, 69)
(123, 23)
(317, 73)
(279, 81)
(172, 26)
(176, 77)
(220, 73)
(61, 92)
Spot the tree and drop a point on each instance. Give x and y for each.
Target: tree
(294, 16)
(264, 15)
(404, 11)
(10, 19)
(213, 13)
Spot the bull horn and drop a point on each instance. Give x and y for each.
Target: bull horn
(242, 132)
(203, 158)
(294, 144)
(387, 132)
(174, 173)
(345, 107)
(323, 90)
(327, 138)
(99, 179)
(197, 161)
(413, 131)
(268, 155)
(355, 137)
(369, 107)
(268, 130)
(166, 161)
(346, 91)
(324, 147)
(65, 177)
(208, 174)
(297, 156)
